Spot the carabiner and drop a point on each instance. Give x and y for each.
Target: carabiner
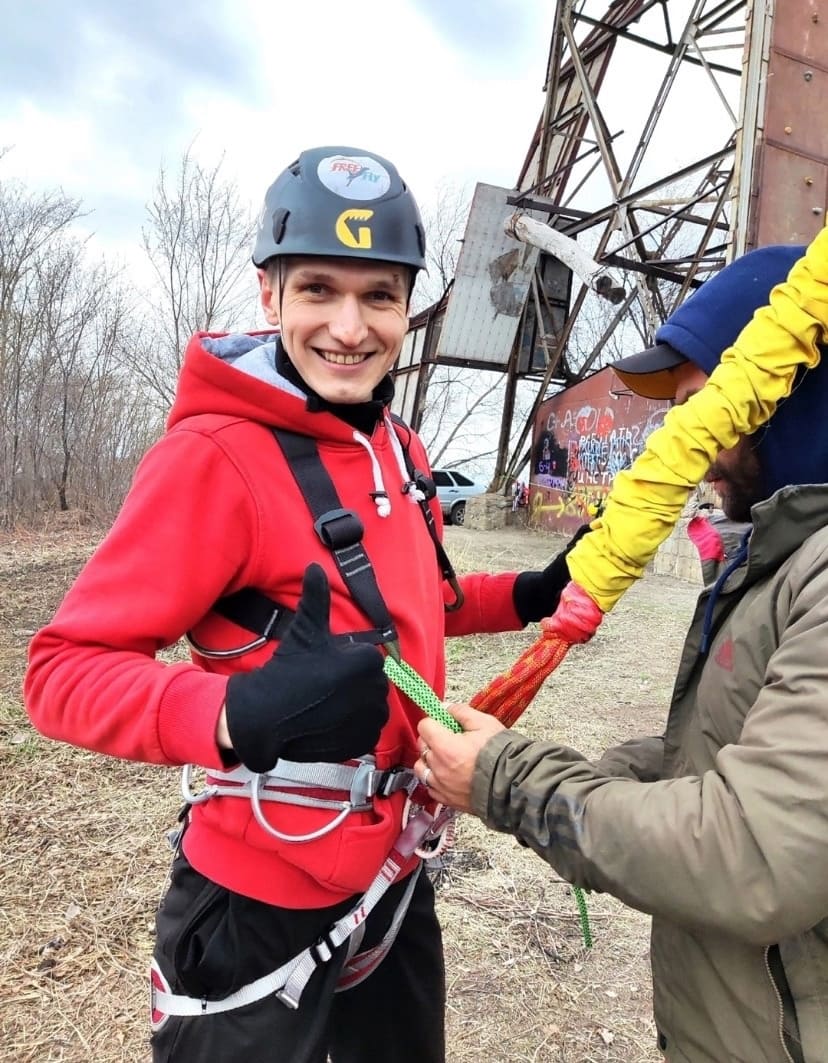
(459, 597)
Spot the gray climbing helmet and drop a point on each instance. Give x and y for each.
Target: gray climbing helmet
(341, 202)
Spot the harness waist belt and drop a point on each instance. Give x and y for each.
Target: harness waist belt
(341, 788)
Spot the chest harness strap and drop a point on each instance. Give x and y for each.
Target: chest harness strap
(427, 490)
(341, 531)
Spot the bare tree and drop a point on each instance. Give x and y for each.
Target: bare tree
(461, 419)
(29, 226)
(198, 238)
(80, 334)
(444, 224)
(72, 423)
(460, 408)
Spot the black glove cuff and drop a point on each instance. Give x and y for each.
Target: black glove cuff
(246, 725)
(536, 594)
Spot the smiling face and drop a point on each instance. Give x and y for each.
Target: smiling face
(735, 474)
(342, 322)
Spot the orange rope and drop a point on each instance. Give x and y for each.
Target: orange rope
(575, 620)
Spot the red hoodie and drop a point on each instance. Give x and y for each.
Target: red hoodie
(214, 508)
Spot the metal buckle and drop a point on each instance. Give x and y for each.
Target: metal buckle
(287, 998)
(390, 781)
(363, 786)
(187, 792)
(323, 949)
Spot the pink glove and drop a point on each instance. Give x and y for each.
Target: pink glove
(706, 539)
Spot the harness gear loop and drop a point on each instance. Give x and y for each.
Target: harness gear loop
(258, 815)
(224, 655)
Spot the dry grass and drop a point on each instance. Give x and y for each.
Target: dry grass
(84, 854)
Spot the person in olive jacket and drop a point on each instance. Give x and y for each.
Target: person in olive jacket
(718, 828)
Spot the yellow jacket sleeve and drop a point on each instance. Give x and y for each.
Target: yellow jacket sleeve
(742, 393)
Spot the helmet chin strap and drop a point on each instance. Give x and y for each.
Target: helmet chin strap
(280, 281)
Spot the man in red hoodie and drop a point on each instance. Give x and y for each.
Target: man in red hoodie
(283, 523)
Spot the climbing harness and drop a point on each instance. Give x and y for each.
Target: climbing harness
(340, 788)
(288, 981)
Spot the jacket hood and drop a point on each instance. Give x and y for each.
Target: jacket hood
(783, 522)
(237, 376)
(793, 446)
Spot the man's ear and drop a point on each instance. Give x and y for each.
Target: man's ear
(269, 297)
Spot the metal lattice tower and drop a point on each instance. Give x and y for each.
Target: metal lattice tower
(674, 135)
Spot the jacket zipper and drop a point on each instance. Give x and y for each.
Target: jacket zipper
(781, 1006)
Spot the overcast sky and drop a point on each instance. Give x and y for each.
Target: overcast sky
(96, 94)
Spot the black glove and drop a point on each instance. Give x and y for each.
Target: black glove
(315, 699)
(536, 594)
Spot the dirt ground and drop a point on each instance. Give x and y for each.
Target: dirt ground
(84, 854)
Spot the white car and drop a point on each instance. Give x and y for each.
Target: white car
(453, 488)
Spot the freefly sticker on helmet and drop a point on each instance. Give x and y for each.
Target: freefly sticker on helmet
(354, 176)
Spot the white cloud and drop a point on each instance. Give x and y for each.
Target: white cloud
(372, 73)
(46, 148)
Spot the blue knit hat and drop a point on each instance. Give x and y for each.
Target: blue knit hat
(704, 326)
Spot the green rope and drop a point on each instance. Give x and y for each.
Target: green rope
(402, 675)
(586, 931)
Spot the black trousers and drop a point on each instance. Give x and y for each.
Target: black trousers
(211, 942)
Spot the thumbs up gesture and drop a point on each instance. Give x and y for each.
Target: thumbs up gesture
(315, 699)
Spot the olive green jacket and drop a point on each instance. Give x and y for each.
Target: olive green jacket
(719, 829)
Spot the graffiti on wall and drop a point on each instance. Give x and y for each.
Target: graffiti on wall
(582, 439)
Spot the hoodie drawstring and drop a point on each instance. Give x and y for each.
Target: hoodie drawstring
(410, 489)
(379, 494)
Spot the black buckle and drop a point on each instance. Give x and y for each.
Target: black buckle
(339, 528)
(425, 484)
(389, 782)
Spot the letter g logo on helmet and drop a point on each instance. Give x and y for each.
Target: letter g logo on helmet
(362, 239)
